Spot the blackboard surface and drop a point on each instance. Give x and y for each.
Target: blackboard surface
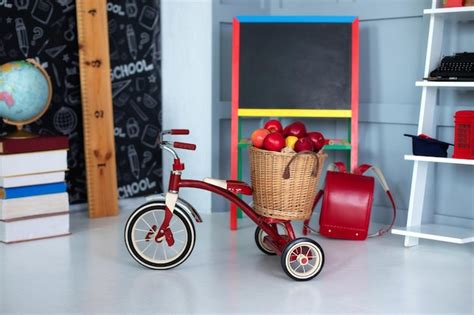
(295, 65)
(46, 31)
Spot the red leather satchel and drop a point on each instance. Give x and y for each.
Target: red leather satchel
(347, 203)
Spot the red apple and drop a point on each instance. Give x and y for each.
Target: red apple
(258, 136)
(274, 142)
(318, 140)
(304, 144)
(296, 129)
(273, 126)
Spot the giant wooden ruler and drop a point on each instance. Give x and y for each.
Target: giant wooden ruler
(97, 111)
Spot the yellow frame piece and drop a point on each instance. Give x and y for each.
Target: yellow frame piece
(323, 113)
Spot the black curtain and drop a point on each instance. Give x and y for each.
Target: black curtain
(46, 31)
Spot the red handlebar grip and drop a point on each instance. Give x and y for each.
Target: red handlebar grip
(179, 131)
(186, 146)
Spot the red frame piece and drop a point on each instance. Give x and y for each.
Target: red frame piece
(234, 128)
(355, 95)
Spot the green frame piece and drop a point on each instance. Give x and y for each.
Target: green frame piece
(349, 138)
(337, 147)
(239, 164)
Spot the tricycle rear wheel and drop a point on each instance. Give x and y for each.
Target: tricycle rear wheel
(302, 259)
(259, 235)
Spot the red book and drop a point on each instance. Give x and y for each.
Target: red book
(41, 143)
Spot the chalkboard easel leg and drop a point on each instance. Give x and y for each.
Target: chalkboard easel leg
(234, 163)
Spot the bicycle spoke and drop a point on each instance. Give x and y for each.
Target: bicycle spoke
(146, 223)
(174, 250)
(156, 221)
(154, 253)
(176, 232)
(164, 250)
(149, 244)
(143, 240)
(173, 223)
(137, 229)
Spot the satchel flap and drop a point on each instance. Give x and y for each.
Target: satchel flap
(346, 205)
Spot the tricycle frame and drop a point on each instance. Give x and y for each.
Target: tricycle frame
(274, 240)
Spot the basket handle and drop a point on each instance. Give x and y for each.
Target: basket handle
(314, 173)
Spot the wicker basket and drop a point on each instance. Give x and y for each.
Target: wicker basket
(287, 196)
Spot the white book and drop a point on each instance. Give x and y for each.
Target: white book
(33, 163)
(33, 179)
(33, 206)
(34, 228)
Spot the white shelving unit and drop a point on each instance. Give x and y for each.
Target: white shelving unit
(426, 124)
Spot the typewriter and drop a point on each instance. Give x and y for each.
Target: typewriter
(459, 67)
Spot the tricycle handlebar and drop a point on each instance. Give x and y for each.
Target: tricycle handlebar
(185, 146)
(179, 132)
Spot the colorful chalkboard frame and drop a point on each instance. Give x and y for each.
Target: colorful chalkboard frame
(349, 111)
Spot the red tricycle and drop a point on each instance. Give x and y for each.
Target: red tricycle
(161, 235)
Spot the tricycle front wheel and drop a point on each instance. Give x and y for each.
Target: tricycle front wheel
(302, 259)
(140, 236)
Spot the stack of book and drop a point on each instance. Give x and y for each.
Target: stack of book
(34, 203)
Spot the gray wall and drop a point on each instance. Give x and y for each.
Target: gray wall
(187, 87)
(393, 37)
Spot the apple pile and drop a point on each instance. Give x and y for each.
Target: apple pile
(293, 138)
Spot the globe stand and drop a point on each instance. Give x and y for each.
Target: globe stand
(19, 133)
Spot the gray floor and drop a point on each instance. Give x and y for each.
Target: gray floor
(91, 272)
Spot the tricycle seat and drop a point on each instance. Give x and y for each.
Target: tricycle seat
(235, 186)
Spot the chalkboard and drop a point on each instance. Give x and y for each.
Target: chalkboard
(295, 65)
(46, 31)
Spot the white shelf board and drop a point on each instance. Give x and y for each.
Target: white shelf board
(452, 84)
(438, 159)
(437, 232)
(459, 13)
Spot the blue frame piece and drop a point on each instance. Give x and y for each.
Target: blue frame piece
(296, 19)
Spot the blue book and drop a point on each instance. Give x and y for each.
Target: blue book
(35, 190)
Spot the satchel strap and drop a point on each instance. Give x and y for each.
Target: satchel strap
(337, 166)
(360, 170)
(314, 172)
(306, 226)
(333, 167)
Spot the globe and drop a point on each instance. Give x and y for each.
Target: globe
(25, 93)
